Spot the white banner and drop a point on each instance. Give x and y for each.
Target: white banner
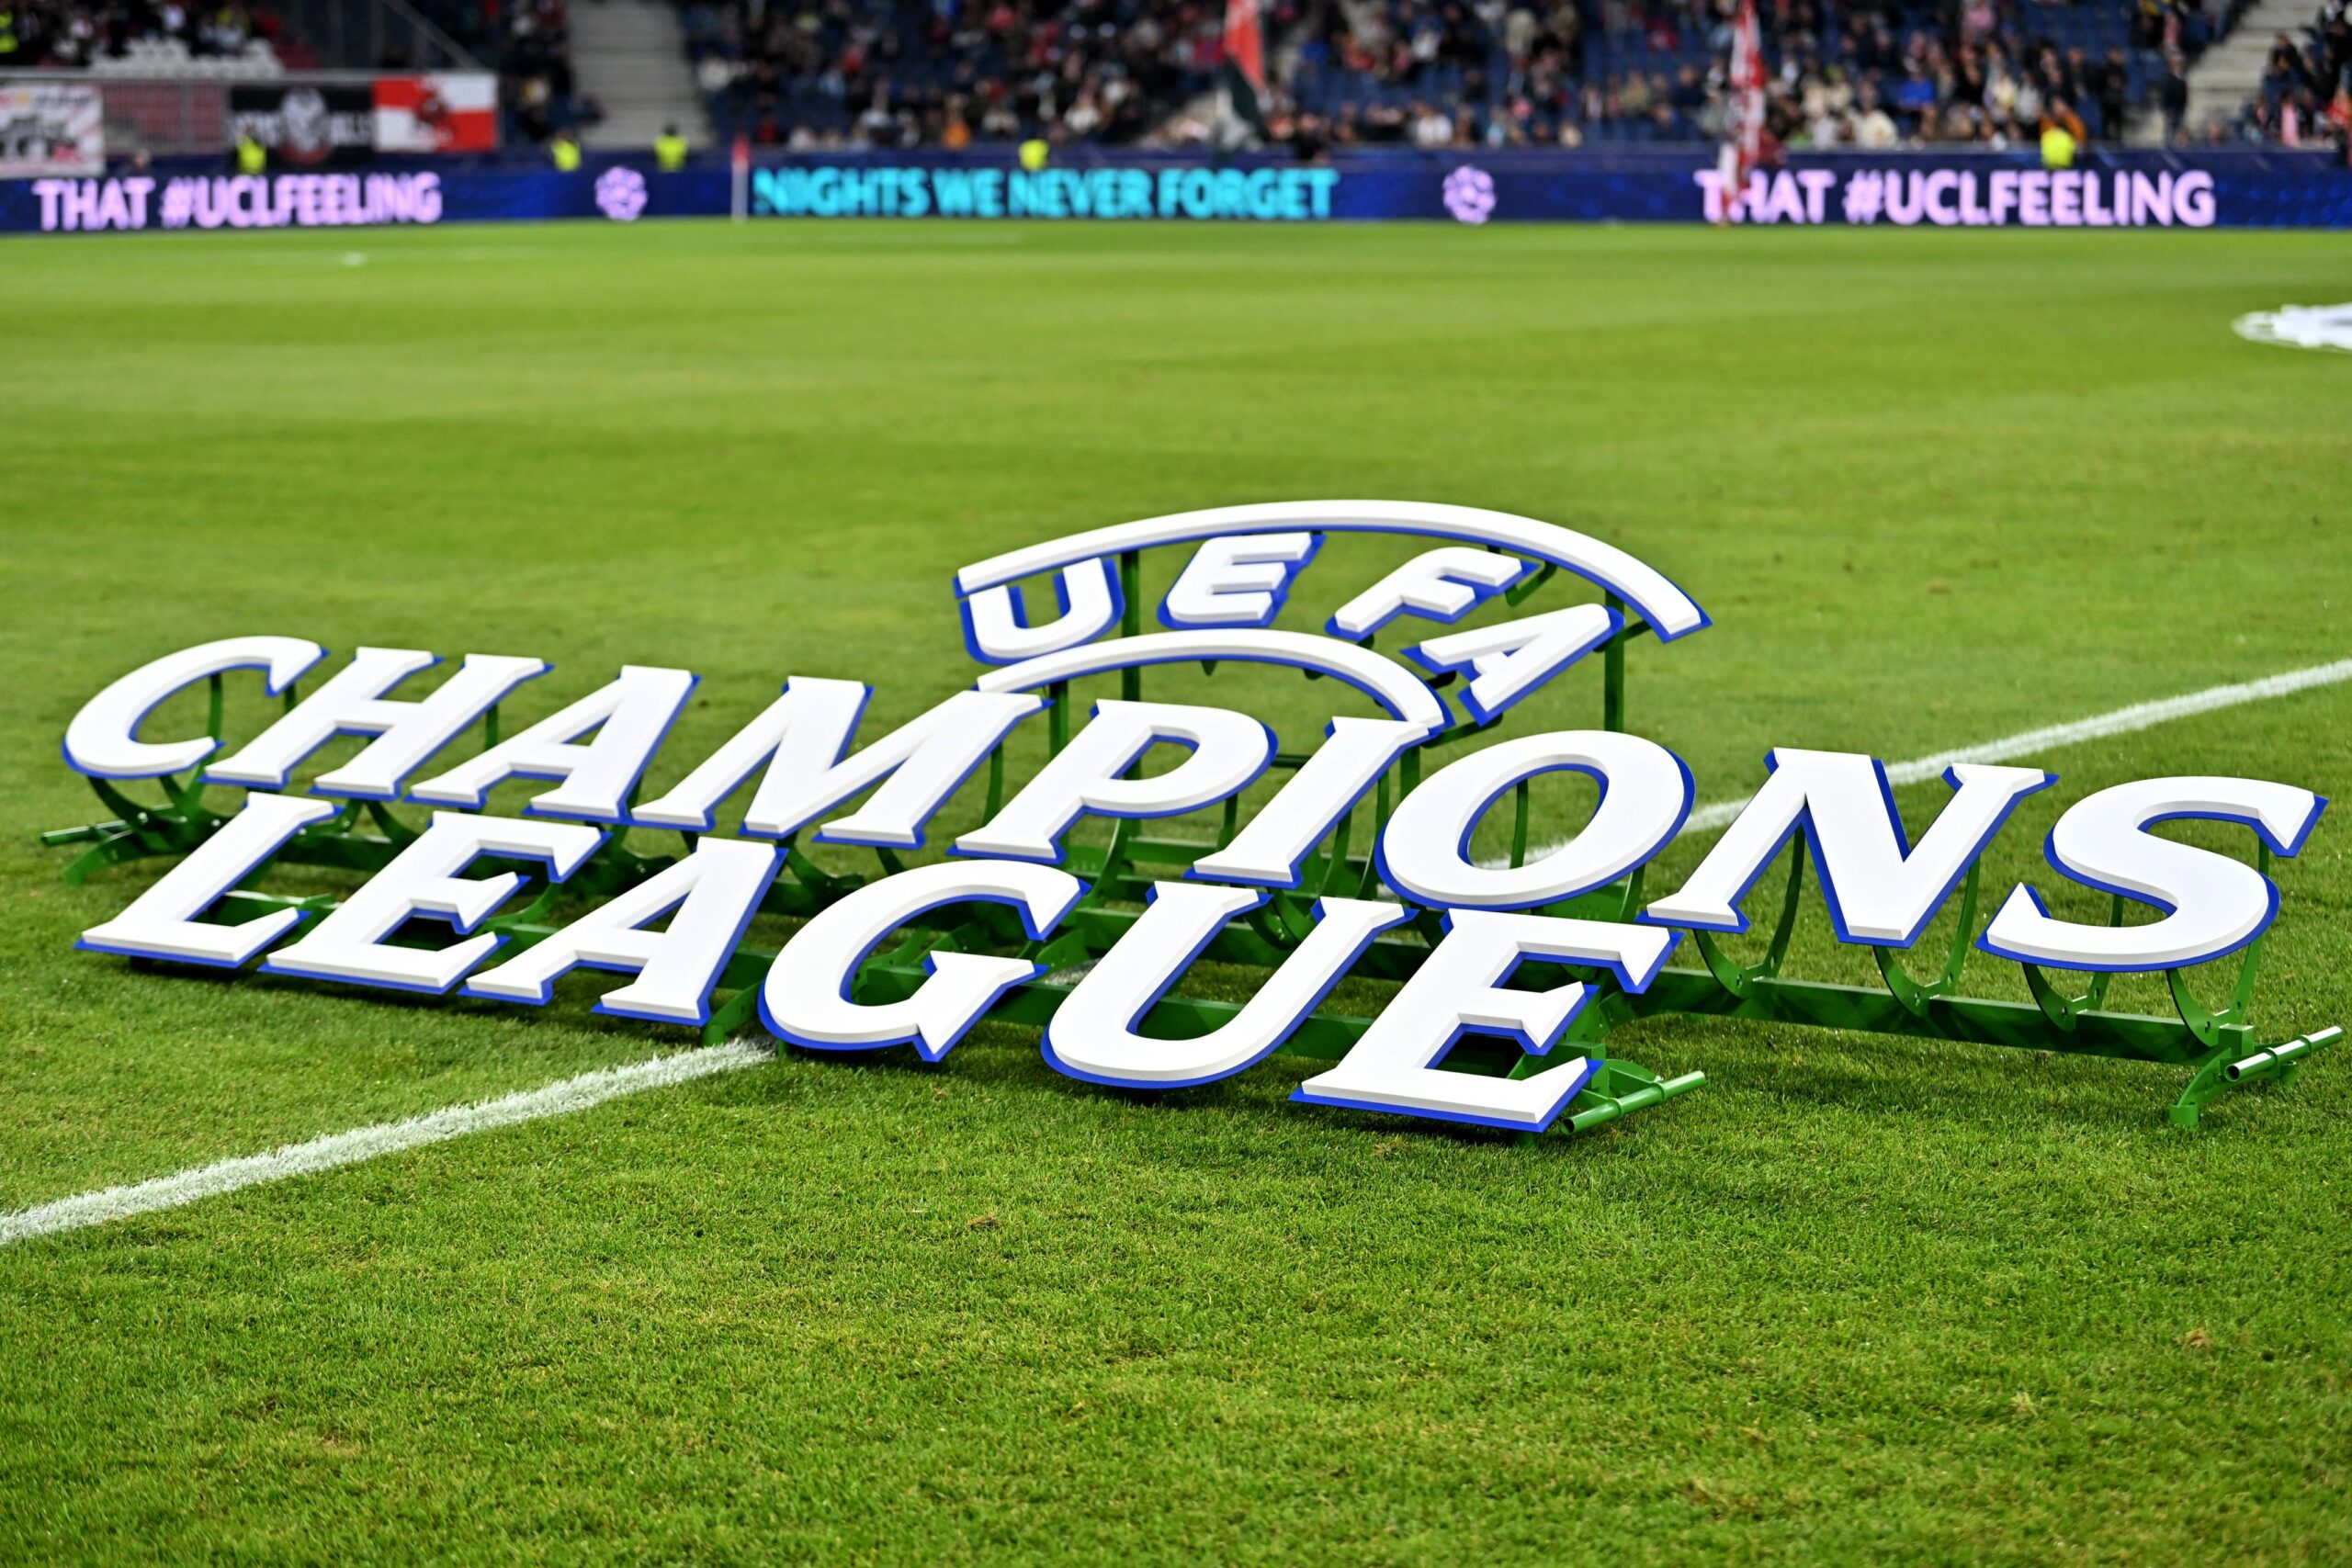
(49, 129)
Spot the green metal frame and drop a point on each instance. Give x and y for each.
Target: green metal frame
(2216, 1045)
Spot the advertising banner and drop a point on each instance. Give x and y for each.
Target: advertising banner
(453, 111)
(52, 130)
(2254, 187)
(2251, 188)
(2116, 189)
(307, 126)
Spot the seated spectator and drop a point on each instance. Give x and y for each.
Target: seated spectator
(1872, 129)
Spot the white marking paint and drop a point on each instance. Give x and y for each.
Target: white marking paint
(373, 1143)
(595, 1089)
(2123, 721)
(2300, 326)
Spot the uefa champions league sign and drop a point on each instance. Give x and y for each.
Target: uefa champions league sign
(1508, 970)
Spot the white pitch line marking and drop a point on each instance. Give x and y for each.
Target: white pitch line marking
(559, 1098)
(2123, 721)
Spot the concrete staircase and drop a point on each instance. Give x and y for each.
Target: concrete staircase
(2225, 79)
(630, 56)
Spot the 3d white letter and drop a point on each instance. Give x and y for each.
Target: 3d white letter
(1229, 749)
(1092, 1034)
(103, 738)
(715, 891)
(806, 1000)
(1645, 795)
(1441, 585)
(806, 730)
(1237, 579)
(992, 616)
(1393, 1068)
(1267, 852)
(162, 922)
(423, 880)
(1510, 660)
(1881, 893)
(2212, 905)
(353, 700)
(630, 716)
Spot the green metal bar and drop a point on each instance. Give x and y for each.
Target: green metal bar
(1739, 980)
(1913, 996)
(1520, 592)
(1612, 673)
(2128, 1036)
(1131, 619)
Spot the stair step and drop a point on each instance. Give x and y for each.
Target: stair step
(630, 56)
(2222, 83)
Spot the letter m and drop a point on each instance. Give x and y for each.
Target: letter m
(801, 739)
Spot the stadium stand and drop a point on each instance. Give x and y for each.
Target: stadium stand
(821, 73)
(1858, 74)
(1441, 73)
(810, 73)
(2304, 97)
(169, 38)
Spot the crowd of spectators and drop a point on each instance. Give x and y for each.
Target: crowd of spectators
(1844, 72)
(1860, 73)
(1863, 73)
(71, 35)
(947, 73)
(2306, 95)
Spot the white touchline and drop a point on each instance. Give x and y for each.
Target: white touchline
(369, 1143)
(2123, 721)
(595, 1089)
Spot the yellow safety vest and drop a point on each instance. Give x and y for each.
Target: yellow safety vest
(669, 151)
(566, 154)
(2057, 148)
(251, 156)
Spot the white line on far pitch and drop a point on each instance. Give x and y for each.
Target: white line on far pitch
(373, 1143)
(2123, 721)
(595, 1089)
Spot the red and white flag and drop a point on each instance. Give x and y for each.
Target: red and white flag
(1743, 148)
(1243, 73)
(451, 111)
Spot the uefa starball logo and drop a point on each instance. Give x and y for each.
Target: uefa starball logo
(1469, 195)
(621, 194)
(1507, 968)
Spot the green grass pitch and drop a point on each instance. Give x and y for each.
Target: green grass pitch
(1859, 1299)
